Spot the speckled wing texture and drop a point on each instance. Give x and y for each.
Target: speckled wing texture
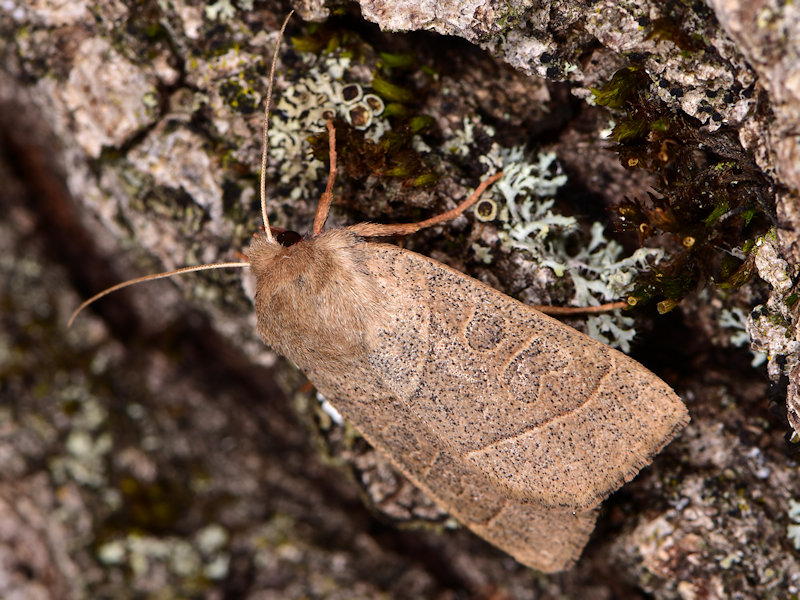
(515, 423)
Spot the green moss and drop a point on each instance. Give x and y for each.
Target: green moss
(397, 61)
(421, 123)
(630, 130)
(332, 36)
(390, 91)
(624, 85)
(425, 180)
(395, 109)
(720, 209)
(712, 199)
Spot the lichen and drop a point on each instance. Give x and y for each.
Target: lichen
(191, 561)
(301, 113)
(221, 10)
(528, 222)
(772, 325)
(793, 529)
(735, 320)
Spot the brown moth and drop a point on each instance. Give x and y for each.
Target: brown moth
(516, 424)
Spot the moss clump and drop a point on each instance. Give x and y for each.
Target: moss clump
(391, 153)
(623, 87)
(711, 200)
(392, 156)
(327, 38)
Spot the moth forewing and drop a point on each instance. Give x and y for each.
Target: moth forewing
(512, 421)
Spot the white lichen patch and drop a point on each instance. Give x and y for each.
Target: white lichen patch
(527, 222)
(221, 10)
(323, 92)
(85, 459)
(212, 538)
(112, 553)
(143, 554)
(735, 320)
(772, 326)
(87, 445)
(462, 139)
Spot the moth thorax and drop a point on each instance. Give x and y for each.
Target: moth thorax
(314, 300)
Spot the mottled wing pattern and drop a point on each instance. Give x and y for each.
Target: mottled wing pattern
(544, 412)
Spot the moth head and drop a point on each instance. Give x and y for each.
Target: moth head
(288, 238)
(265, 249)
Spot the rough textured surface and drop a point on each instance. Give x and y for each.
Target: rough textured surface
(147, 450)
(711, 69)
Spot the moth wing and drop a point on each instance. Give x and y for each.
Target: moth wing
(546, 538)
(545, 413)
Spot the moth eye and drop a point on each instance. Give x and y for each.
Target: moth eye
(288, 238)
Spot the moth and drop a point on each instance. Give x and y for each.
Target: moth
(516, 424)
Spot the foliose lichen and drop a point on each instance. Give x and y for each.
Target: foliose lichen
(793, 529)
(528, 222)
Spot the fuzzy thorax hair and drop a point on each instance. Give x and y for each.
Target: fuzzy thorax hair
(315, 300)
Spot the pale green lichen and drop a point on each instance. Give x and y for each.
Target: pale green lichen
(483, 254)
(462, 139)
(221, 10)
(87, 445)
(205, 556)
(527, 222)
(301, 112)
(485, 210)
(793, 529)
(735, 320)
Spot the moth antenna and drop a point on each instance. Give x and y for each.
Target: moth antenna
(324, 204)
(124, 284)
(381, 230)
(389, 229)
(265, 139)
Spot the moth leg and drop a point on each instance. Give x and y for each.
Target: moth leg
(324, 205)
(381, 230)
(564, 311)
